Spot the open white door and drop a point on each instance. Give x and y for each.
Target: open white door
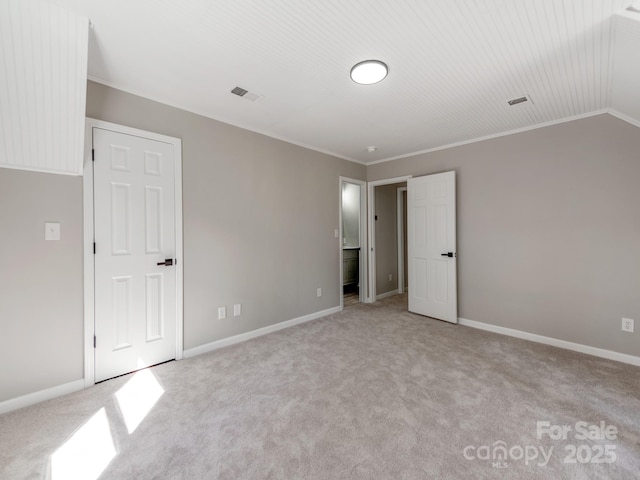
(135, 256)
(431, 245)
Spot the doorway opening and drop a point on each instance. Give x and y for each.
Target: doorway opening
(384, 268)
(352, 242)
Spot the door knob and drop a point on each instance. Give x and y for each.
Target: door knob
(448, 254)
(167, 262)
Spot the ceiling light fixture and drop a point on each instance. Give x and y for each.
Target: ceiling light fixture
(369, 72)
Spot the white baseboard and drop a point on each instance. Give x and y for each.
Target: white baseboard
(387, 294)
(40, 396)
(576, 347)
(225, 342)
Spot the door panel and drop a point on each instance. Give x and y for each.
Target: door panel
(431, 232)
(134, 217)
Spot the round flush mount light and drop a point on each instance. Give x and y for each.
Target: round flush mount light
(369, 72)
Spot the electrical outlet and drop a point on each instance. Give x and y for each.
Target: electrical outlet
(222, 313)
(391, 277)
(319, 292)
(627, 325)
(237, 310)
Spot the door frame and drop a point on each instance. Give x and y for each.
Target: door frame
(401, 252)
(362, 265)
(371, 205)
(88, 216)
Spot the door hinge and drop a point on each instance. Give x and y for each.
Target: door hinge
(94, 341)
(93, 155)
(94, 248)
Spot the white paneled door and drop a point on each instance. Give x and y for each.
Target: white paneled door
(431, 245)
(135, 253)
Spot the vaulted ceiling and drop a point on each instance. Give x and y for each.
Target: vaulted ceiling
(453, 65)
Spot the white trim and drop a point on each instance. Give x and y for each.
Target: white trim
(88, 261)
(400, 236)
(40, 396)
(554, 342)
(89, 294)
(242, 337)
(387, 294)
(362, 265)
(202, 113)
(39, 170)
(495, 135)
(624, 118)
(371, 207)
(179, 265)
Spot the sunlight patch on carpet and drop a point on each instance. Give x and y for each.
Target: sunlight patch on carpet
(87, 453)
(137, 397)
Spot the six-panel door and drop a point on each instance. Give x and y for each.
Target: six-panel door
(431, 245)
(135, 298)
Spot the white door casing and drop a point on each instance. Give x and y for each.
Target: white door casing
(136, 299)
(400, 238)
(431, 231)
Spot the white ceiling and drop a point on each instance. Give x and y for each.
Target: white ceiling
(453, 65)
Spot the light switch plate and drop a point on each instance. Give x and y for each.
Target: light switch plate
(52, 231)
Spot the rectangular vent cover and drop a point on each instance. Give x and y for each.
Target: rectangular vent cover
(518, 100)
(241, 92)
(246, 94)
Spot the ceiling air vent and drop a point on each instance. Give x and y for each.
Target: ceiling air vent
(246, 94)
(516, 101)
(241, 92)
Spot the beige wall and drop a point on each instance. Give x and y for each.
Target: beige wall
(548, 229)
(548, 235)
(259, 220)
(41, 282)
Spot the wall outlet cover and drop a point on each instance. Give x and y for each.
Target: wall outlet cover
(627, 325)
(52, 231)
(222, 313)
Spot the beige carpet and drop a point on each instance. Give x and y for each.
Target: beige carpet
(371, 393)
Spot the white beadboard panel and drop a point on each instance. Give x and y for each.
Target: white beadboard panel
(453, 65)
(626, 66)
(43, 82)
